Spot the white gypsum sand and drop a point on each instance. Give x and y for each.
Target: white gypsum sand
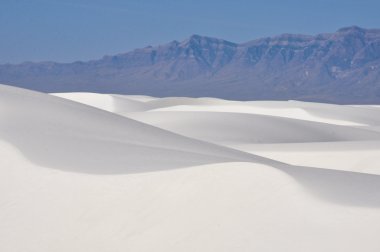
(137, 173)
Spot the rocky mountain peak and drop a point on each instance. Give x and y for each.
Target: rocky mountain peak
(339, 67)
(203, 41)
(351, 29)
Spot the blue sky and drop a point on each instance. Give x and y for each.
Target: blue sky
(69, 30)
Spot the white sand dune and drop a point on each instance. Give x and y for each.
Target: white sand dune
(56, 132)
(280, 111)
(358, 156)
(238, 128)
(361, 116)
(111, 103)
(137, 173)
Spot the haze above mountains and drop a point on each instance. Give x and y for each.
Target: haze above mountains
(340, 67)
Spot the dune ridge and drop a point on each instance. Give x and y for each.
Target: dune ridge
(104, 172)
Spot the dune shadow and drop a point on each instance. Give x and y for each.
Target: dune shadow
(339, 187)
(96, 156)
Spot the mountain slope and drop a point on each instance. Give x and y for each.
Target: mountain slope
(341, 67)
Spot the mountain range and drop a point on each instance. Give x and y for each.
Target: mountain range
(340, 67)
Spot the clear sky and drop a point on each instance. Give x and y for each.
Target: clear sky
(69, 30)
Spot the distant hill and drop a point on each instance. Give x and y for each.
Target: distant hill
(340, 67)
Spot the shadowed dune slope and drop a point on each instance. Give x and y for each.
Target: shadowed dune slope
(59, 133)
(80, 178)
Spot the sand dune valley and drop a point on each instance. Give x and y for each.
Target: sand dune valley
(97, 172)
